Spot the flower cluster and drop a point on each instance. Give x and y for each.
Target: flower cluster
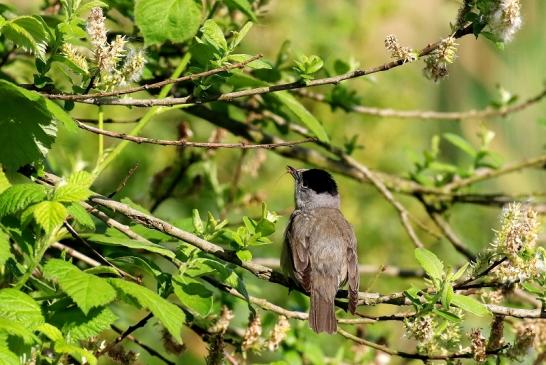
(222, 323)
(115, 64)
(278, 333)
(478, 346)
(516, 240)
(436, 62)
(397, 51)
(252, 333)
(525, 338)
(424, 329)
(71, 53)
(506, 20)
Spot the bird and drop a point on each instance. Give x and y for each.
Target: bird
(320, 247)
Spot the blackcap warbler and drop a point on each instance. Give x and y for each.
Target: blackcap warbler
(319, 250)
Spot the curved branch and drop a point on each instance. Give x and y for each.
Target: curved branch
(488, 112)
(184, 143)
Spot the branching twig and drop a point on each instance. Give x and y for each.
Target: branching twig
(125, 333)
(190, 99)
(422, 114)
(155, 85)
(184, 143)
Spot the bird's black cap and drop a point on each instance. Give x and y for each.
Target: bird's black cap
(320, 181)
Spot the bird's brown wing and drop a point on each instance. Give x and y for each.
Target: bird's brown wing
(297, 247)
(353, 277)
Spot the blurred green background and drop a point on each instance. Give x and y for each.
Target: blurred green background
(345, 29)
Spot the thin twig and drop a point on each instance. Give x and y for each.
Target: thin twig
(184, 143)
(488, 112)
(155, 85)
(148, 348)
(452, 237)
(123, 183)
(125, 333)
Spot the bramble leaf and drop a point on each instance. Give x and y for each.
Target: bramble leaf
(87, 290)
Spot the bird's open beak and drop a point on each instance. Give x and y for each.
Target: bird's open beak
(292, 171)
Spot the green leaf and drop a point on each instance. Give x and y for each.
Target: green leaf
(59, 114)
(470, 304)
(240, 35)
(82, 178)
(27, 125)
(5, 250)
(193, 295)
(447, 315)
(302, 114)
(20, 196)
(7, 357)
(79, 326)
(430, 263)
(81, 216)
(197, 222)
(127, 242)
(461, 143)
(244, 255)
(83, 356)
(87, 291)
(460, 272)
(167, 313)
(69, 193)
(52, 332)
(213, 35)
(243, 6)
(20, 307)
(49, 215)
(167, 20)
(4, 182)
(27, 32)
(17, 329)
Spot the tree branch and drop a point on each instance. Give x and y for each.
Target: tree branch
(155, 85)
(184, 143)
(488, 112)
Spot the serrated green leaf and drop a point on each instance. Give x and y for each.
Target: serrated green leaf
(81, 216)
(28, 127)
(470, 304)
(70, 192)
(461, 144)
(87, 291)
(430, 263)
(83, 356)
(127, 242)
(7, 357)
(82, 178)
(27, 32)
(20, 196)
(243, 6)
(49, 215)
(79, 326)
(20, 307)
(193, 295)
(244, 255)
(213, 35)
(167, 313)
(52, 332)
(167, 20)
(17, 329)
